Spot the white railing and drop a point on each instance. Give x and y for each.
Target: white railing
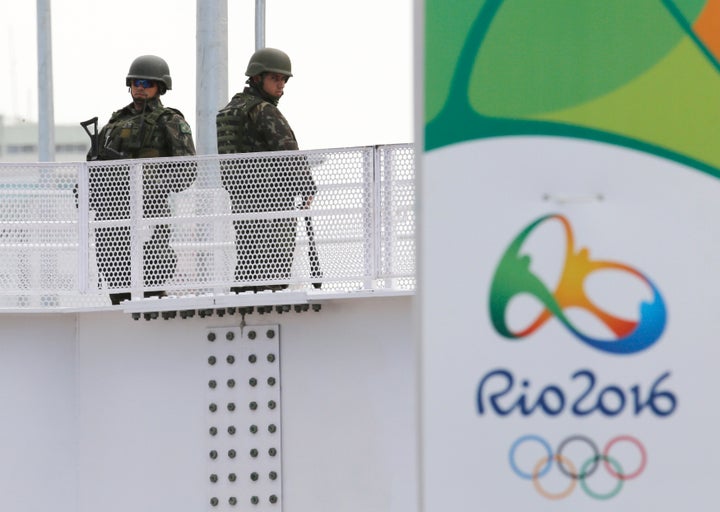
(71, 234)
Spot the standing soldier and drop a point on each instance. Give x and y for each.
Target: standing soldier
(252, 123)
(143, 129)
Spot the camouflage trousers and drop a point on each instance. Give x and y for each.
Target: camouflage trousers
(265, 249)
(112, 245)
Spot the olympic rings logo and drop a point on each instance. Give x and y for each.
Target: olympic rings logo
(588, 467)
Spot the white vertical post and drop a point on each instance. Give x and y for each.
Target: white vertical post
(259, 24)
(212, 95)
(138, 230)
(83, 208)
(46, 121)
(211, 71)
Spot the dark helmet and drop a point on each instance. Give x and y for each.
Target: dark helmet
(151, 67)
(269, 60)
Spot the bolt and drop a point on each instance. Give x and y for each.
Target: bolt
(212, 384)
(253, 406)
(213, 478)
(252, 335)
(231, 406)
(272, 404)
(272, 475)
(212, 360)
(271, 333)
(272, 452)
(252, 358)
(211, 336)
(213, 407)
(231, 430)
(232, 501)
(253, 453)
(213, 454)
(229, 335)
(271, 381)
(214, 502)
(230, 359)
(253, 382)
(273, 498)
(254, 500)
(253, 429)
(232, 453)
(232, 477)
(254, 476)
(231, 383)
(271, 358)
(213, 431)
(272, 428)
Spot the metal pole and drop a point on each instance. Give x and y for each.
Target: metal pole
(211, 71)
(259, 24)
(46, 121)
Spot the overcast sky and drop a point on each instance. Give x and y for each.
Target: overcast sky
(352, 61)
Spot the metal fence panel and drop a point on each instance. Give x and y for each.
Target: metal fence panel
(75, 234)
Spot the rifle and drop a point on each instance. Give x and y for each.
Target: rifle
(94, 137)
(95, 142)
(94, 148)
(313, 253)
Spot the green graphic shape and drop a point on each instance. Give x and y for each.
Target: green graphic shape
(634, 74)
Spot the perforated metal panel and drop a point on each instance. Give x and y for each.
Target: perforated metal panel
(244, 448)
(74, 234)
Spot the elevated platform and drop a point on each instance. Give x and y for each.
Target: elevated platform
(75, 233)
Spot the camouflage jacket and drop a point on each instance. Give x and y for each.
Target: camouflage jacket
(249, 124)
(157, 132)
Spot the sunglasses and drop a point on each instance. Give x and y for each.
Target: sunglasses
(143, 82)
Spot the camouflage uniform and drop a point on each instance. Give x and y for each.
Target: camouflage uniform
(157, 131)
(252, 123)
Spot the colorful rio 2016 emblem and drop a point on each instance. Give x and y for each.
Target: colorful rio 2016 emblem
(513, 277)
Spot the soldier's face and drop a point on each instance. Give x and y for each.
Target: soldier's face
(274, 84)
(143, 89)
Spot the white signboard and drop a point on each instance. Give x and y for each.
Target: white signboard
(569, 262)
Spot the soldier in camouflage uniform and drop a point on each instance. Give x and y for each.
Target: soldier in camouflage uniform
(143, 129)
(252, 123)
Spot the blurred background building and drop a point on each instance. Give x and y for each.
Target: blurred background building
(19, 141)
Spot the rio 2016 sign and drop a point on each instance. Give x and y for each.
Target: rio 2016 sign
(499, 393)
(534, 347)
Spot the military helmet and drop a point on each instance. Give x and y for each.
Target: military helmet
(151, 67)
(269, 60)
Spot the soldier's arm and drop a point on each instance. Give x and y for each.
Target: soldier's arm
(273, 126)
(180, 141)
(179, 136)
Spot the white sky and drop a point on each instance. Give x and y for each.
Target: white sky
(352, 61)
